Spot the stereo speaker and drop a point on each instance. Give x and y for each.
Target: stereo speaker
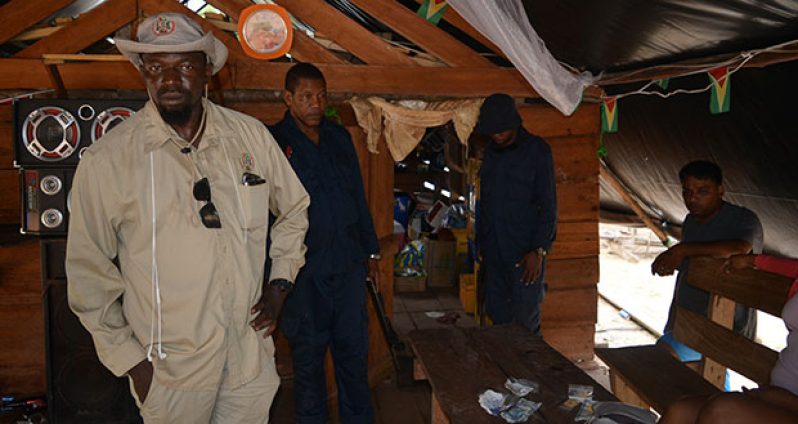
(54, 133)
(79, 388)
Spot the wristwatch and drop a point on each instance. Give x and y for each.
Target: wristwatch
(541, 251)
(282, 284)
(376, 256)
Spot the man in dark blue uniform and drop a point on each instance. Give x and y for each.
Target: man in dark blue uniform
(517, 214)
(328, 305)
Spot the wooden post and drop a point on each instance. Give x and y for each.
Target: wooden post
(438, 416)
(619, 188)
(58, 82)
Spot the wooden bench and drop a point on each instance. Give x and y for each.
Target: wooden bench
(651, 376)
(460, 363)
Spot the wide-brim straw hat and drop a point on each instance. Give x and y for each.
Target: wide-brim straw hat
(172, 33)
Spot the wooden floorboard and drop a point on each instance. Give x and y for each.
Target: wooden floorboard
(393, 404)
(406, 405)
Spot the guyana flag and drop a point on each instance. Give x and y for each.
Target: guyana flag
(609, 115)
(719, 101)
(432, 10)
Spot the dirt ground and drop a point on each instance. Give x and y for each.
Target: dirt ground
(627, 283)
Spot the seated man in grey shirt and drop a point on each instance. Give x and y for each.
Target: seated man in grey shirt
(712, 227)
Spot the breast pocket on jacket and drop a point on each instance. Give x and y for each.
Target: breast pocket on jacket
(255, 205)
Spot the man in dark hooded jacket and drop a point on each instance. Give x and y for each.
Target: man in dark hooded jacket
(516, 215)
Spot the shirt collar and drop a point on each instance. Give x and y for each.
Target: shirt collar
(158, 132)
(291, 125)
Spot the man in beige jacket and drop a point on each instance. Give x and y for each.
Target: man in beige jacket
(167, 236)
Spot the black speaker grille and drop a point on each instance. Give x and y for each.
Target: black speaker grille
(79, 388)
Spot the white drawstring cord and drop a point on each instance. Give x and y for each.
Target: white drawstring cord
(235, 186)
(155, 282)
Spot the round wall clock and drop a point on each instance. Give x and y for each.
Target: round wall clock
(265, 31)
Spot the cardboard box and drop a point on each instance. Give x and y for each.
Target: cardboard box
(468, 293)
(461, 235)
(441, 264)
(409, 284)
(462, 258)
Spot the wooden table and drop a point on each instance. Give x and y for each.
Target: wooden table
(460, 363)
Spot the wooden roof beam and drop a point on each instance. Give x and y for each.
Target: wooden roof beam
(86, 30)
(306, 49)
(37, 33)
(34, 76)
(231, 8)
(258, 75)
(422, 33)
(451, 16)
(395, 80)
(18, 15)
(345, 32)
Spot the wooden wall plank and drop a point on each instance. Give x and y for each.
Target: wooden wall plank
(572, 243)
(22, 370)
(574, 341)
(575, 157)
(271, 112)
(17, 15)
(546, 121)
(10, 206)
(10, 203)
(566, 306)
(574, 249)
(578, 202)
(267, 112)
(6, 145)
(86, 30)
(571, 228)
(422, 33)
(572, 273)
(350, 35)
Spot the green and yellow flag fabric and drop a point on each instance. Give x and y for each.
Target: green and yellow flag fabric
(609, 115)
(432, 10)
(720, 100)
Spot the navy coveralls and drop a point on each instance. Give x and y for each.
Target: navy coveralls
(517, 214)
(328, 305)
